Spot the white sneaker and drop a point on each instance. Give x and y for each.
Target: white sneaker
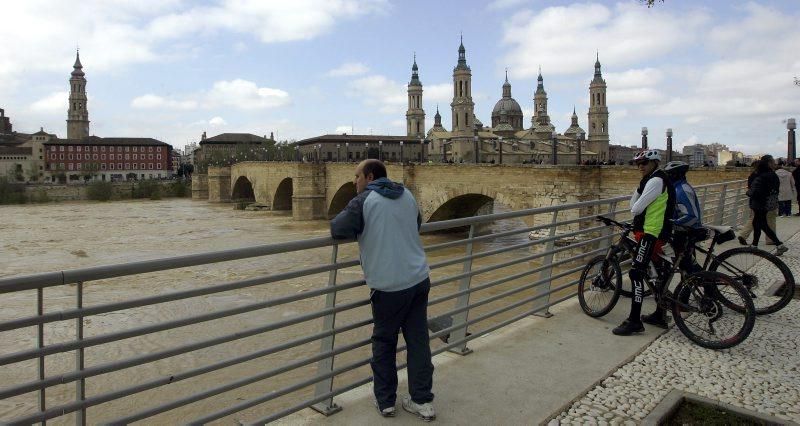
(423, 411)
(386, 412)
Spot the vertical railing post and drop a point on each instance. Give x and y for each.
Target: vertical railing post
(80, 385)
(460, 318)
(721, 204)
(325, 366)
(737, 204)
(703, 201)
(40, 345)
(612, 210)
(547, 273)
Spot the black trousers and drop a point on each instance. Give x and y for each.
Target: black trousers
(760, 224)
(638, 273)
(406, 311)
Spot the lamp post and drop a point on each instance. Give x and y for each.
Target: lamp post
(555, 149)
(338, 152)
(669, 145)
(401, 152)
(791, 124)
(421, 150)
(579, 137)
(444, 150)
(477, 156)
(500, 148)
(366, 150)
(380, 150)
(644, 138)
(347, 151)
(319, 153)
(296, 153)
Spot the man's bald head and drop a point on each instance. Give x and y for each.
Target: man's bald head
(367, 171)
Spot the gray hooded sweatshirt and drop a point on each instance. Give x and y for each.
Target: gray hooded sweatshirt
(385, 219)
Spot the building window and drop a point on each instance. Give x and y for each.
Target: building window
(60, 156)
(127, 156)
(102, 166)
(111, 166)
(69, 148)
(158, 156)
(149, 156)
(135, 166)
(150, 149)
(102, 149)
(119, 166)
(94, 156)
(52, 156)
(61, 166)
(158, 166)
(142, 166)
(78, 166)
(127, 166)
(102, 156)
(127, 148)
(61, 148)
(70, 166)
(135, 149)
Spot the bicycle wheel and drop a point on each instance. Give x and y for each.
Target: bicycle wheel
(768, 280)
(701, 314)
(598, 288)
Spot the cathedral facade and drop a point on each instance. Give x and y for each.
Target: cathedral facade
(507, 140)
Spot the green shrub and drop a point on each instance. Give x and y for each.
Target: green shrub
(179, 188)
(40, 196)
(12, 193)
(100, 190)
(147, 189)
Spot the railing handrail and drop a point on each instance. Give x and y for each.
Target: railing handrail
(51, 279)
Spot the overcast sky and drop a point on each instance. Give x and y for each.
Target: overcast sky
(171, 69)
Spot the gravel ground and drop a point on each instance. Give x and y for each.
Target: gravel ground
(761, 374)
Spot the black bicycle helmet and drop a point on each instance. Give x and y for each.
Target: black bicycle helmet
(676, 169)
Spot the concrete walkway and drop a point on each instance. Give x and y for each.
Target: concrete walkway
(532, 371)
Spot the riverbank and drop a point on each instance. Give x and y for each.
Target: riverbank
(19, 193)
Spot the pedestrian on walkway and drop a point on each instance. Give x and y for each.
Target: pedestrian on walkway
(772, 214)
(385, 219)
(787, 191)
(763, 198)
(796, 176)
(747, 228)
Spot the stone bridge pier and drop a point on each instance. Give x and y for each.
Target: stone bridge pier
(443, 191)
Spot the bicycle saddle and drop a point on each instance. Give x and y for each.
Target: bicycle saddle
(722, 234)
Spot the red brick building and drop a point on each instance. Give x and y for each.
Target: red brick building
(110, 159)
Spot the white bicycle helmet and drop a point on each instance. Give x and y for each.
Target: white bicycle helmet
(649, 155)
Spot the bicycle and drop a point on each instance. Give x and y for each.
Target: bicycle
(771, 290)
(710, 308)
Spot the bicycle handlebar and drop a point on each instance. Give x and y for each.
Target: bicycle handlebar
(608, 222)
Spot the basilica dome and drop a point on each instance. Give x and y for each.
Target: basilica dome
(507, 109)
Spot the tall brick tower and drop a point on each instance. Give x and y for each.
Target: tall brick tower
(78, 114)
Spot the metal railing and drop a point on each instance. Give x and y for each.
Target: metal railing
(490, 282)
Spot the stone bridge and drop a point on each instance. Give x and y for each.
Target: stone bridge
(443, 191)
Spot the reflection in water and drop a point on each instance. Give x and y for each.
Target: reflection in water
(43, 238)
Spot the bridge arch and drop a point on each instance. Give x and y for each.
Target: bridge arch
(460, 206)
(243, 190)
(283, 195)
(343, 195)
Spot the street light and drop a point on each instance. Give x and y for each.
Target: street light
(477, 155)
(791, 124)
(580, 137)
(380, 150)
(644, 138)
(296, 153)
(366, 150)
(669, 145)
(421, 150)
(338, 151)
(347, 151)
(500, 147)
(554, 155)
(444, 150)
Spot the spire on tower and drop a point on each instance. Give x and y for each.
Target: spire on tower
(462, 55)
(78, 68)
(414, 74)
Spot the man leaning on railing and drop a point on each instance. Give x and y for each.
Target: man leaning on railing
(385, 219)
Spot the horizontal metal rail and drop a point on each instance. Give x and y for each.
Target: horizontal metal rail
(571, 224)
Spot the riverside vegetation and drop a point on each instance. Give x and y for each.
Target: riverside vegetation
(17, 193)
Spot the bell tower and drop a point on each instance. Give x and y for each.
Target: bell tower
(77, 114)
(598, 115)
(415, 116)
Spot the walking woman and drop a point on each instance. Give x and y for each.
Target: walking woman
(763, 198)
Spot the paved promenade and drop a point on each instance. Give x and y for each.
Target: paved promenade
(540, 370)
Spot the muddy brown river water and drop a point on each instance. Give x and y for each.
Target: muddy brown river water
(52, 237)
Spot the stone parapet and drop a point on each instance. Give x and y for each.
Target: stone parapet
(219, 184)
(200, 187)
